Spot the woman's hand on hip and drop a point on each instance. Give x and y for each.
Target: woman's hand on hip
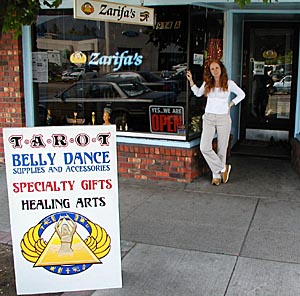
(231, 104)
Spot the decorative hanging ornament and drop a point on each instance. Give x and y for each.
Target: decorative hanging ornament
(215, 48)
(269, 54)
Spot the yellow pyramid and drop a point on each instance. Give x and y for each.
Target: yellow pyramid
(79, 254)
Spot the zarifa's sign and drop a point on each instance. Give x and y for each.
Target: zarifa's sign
(113, 12)
(64, 208)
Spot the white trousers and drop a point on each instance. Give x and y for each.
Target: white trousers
(211, 124)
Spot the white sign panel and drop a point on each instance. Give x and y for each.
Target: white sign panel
(64, 208)
(198, 59)
(113, 12)
(40, 66)
(259, 68)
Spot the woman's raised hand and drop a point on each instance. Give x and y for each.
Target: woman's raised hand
(189, 77)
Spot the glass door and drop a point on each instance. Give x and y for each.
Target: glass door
(269, 64)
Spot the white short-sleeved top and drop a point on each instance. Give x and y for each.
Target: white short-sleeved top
(217, 99)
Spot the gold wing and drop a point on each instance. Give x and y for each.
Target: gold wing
(32, 245)
(98, 241)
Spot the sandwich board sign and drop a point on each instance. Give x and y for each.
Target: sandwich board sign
(64, 208)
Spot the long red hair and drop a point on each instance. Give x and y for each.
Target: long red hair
(209, 79)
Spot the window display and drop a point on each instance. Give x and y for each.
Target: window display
(138, 72)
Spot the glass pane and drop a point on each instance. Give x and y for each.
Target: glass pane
(141, 66)
(206, 42)
(71, 51)
(271, 77)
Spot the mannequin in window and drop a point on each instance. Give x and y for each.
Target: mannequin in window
(106, 116)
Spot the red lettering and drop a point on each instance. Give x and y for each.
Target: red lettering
(16, 187)
(155, 122)
(170, 128)
(108, 184)
(177, 121)
(96, 184)
(163, 121)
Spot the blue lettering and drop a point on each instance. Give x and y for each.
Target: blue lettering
(106, 157)
(68, 157)
(27, 160)
(86, 157)
(16, 160)
(138, 59)
(118, 60)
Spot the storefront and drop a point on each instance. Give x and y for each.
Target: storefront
(136, 72)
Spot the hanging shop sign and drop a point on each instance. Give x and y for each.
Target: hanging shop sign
(113, 12)
(63, 202)
(166, 119)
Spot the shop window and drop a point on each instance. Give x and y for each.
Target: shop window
(206, 42)
(83, 66)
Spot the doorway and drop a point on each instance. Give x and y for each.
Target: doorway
(270, 58)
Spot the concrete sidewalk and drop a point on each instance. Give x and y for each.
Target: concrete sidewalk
(241, 238)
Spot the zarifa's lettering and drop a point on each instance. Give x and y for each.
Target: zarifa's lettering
(120, 12)
(118, 60)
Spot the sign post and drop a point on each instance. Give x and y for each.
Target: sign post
(64, 208)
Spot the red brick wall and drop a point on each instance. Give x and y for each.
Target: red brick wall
(163, 163)
(160, 163)
(12, 112)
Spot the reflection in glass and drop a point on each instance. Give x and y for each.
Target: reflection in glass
(140, 66)
(271, 75)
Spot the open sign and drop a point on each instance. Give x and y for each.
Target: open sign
(166, 119)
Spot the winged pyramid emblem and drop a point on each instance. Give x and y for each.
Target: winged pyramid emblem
(66, 252)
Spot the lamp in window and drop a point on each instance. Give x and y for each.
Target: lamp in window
(269, 54)
(78, 58)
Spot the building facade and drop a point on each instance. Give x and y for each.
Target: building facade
(65, 70)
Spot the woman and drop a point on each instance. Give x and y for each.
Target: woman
(217, 88)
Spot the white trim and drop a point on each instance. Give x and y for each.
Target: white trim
(145, 140)
(265, 11)
(152, 136)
